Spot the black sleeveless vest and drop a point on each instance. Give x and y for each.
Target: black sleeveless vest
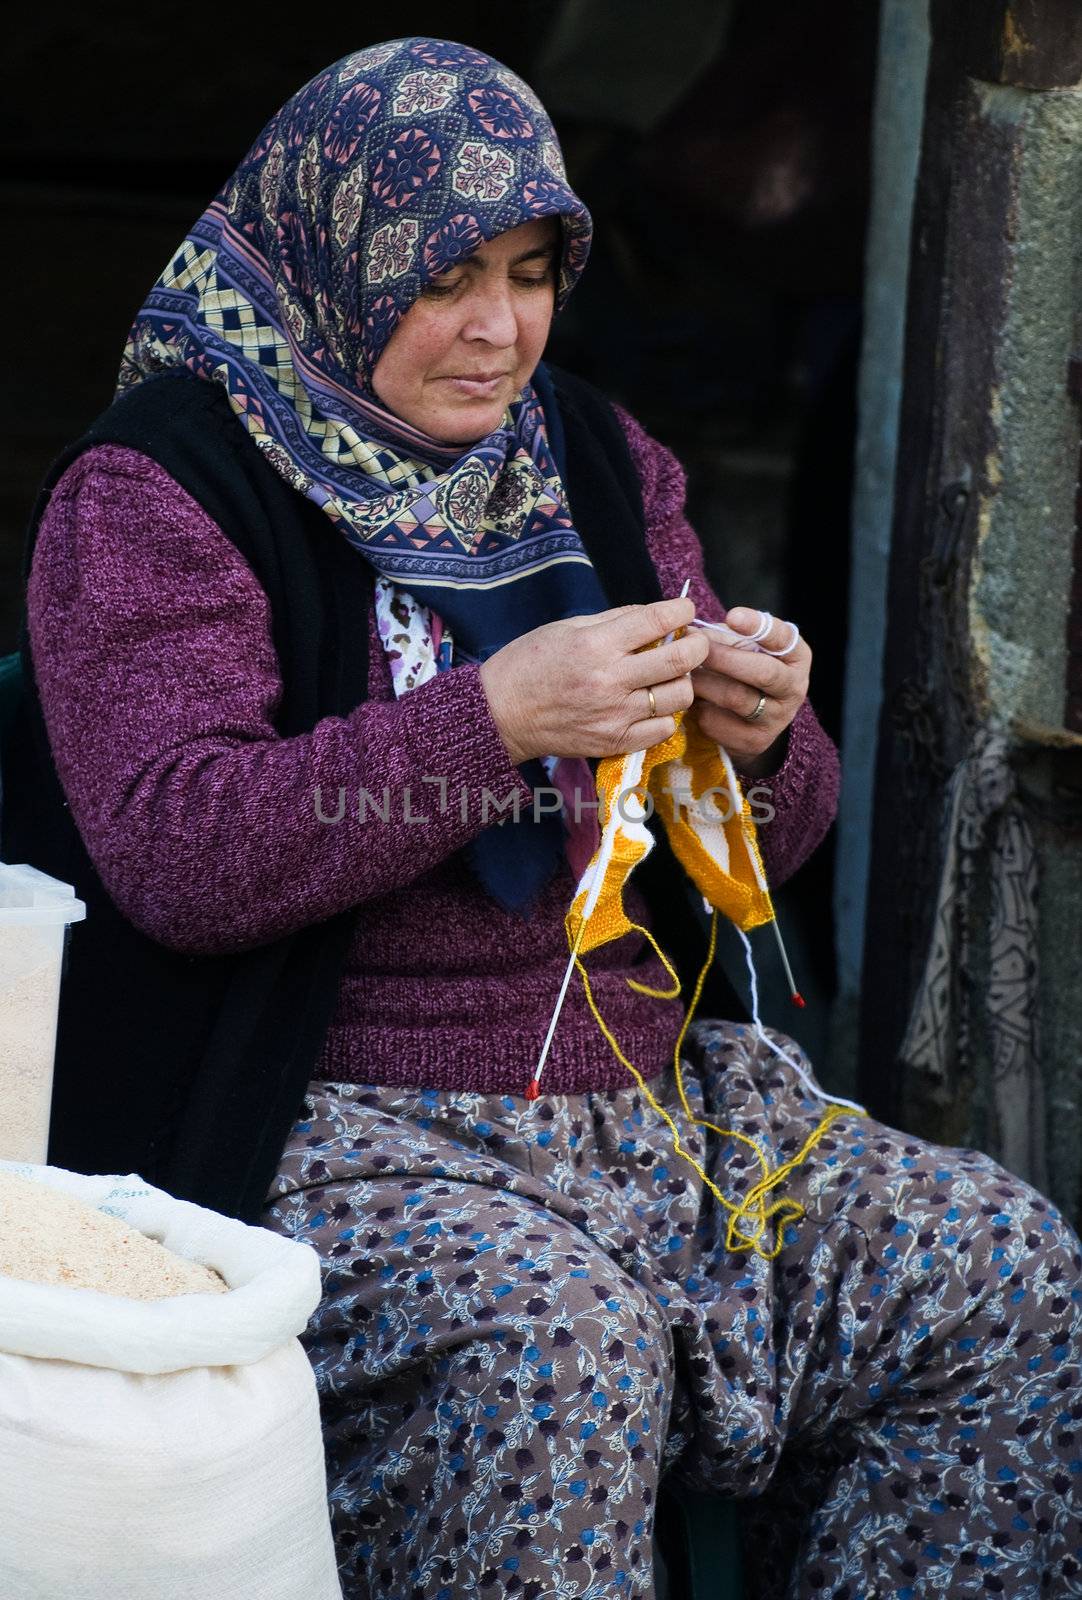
(188, 1069)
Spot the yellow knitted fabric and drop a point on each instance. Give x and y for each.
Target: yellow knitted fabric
(710, 827)
(695, 791)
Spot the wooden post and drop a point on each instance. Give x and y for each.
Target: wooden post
(1027, 44)
(1072, 714)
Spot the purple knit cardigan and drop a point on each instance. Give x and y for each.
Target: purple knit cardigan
(152, 648)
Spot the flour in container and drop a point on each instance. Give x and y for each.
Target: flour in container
(29, 982)
(47, 1236)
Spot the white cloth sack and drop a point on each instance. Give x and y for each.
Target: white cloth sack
(169, 1449)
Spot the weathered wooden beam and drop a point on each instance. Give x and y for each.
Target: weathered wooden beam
(1072, 715)
(910, 768)
(1024, 44)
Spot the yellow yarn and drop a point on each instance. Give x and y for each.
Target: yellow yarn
(753, 1207)
(715, 842)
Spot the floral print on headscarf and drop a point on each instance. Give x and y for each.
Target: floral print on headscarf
(373, 179)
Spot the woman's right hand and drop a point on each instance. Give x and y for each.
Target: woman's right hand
(578, 687)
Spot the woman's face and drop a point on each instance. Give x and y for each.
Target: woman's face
(471, 340)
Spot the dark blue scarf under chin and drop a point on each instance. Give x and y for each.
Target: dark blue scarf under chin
(515, 860)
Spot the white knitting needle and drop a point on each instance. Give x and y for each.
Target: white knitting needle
(533, 1088)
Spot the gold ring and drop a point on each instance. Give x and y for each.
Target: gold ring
(753, 716)
(653, 703)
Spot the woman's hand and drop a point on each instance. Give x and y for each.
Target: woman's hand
(730, 681)
(579, 687)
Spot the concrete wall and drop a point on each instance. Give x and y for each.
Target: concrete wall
(1022, 576)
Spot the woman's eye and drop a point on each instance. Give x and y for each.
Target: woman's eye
(439, 289)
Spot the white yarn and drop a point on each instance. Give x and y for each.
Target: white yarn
(810, 1086)
(750, 641)
(789, 648)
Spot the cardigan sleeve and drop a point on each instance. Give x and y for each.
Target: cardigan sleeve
(151, 643)
(800, 800)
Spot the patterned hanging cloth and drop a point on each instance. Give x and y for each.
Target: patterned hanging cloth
(987, 835)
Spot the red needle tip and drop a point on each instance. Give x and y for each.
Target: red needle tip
(533, 1091)
(798, 999)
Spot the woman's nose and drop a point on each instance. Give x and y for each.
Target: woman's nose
(491, 316)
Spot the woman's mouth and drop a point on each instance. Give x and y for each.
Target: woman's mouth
(477, 388)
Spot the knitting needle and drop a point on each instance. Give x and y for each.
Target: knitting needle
(794, 993)
(533, 1088)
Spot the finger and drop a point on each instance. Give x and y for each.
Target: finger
(594, 617)
(664, 662)
(781, 638)
(725, 658)
(738, 736)
(779, 679)
(749, 621)
(731, 728)
(636, 626)
(726, 694)
(661, 699)
(644, 733)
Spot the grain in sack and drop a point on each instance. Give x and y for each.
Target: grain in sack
(159, 1423)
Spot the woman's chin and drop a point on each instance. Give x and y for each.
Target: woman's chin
(467, 421)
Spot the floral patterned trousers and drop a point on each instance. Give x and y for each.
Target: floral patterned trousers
(531, 1313)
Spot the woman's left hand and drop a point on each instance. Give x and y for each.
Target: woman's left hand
(730, 682)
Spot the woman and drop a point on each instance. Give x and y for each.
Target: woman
(531, 1308)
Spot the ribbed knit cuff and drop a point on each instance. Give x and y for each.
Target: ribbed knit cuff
(803, 795)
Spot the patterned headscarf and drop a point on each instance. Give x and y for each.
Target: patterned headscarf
(377, 176)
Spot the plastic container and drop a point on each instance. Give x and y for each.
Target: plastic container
(35, 913)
